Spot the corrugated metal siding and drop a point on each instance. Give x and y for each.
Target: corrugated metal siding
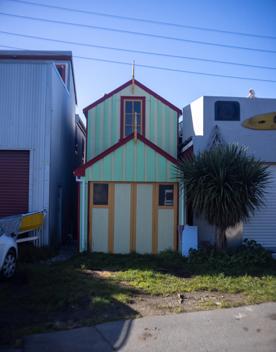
(25, 123)
(104, 123)
(14, 182)
(262, 226)
(132, 162)
(62, 181)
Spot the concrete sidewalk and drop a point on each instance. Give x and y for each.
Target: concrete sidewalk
(245, 329)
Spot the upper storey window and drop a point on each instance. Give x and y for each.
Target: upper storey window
(133, 115)
(227, 111)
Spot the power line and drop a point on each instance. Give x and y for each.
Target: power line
(137, 19)
(166, 68)
(136, 51)
(144, 34)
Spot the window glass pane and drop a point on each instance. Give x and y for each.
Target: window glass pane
(166, 195)
(128, 107)
(138, 119)
(128, 130)
(128, 119)
(227, 111)
(137, 106)
(100, 194)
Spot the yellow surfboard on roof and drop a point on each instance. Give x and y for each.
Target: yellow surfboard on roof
(261, 122)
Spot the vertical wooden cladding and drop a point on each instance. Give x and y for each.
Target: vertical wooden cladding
(111, 218)
(155, 219)
(14, 182)
(133, 217)
(90, 206)
(175, 220)
(110, 208)
(144, 231)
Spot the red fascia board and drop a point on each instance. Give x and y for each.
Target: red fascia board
(157, 96)
(157, 149)
(148, 90)
(106, 96)
(81, 170)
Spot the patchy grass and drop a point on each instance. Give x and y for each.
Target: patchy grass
(93, 288)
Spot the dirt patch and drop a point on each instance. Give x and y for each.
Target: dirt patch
(187, 302)
(98, 274)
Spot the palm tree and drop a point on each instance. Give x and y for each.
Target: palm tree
(224, 185)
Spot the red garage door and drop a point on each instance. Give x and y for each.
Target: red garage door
(14, 182)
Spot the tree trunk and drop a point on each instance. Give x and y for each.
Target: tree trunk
(220, 239)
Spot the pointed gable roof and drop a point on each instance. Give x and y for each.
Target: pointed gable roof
(80, 171)
(123, 86)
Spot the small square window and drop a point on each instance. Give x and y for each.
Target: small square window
(227, 111)
(100, 194)
(166, 195)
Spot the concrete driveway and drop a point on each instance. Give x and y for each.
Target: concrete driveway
(245, 329)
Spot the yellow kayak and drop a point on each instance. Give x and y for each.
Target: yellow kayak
(31, 221)
(261, 122)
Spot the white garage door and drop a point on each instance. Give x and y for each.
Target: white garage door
(262, 226)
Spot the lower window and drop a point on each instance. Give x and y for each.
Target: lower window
(100, 194)
(166, 195)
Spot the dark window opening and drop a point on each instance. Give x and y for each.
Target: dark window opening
(227, 111)
(100, 194)
(61, 70)
(166, 195)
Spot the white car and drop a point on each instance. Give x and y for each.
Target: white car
(8, 255)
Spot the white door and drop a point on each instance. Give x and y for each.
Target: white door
(262, 226)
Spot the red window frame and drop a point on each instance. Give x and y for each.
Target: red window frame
(143, 113)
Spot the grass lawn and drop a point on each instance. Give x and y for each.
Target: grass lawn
(92, 288)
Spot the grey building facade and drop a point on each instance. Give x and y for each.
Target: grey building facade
(37, 119)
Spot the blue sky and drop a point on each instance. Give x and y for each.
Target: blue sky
(94, 79)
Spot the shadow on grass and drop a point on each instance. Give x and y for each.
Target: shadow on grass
(61, 296)
(171, 263)
(87, 289)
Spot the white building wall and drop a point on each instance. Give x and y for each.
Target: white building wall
(261, 143)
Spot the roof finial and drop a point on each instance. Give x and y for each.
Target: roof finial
(133, 76)
(133, 70)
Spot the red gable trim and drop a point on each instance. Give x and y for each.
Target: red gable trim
(163, 100)
(137, 83)
(81, 170)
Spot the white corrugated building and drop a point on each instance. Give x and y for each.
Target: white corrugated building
(37, 137)
(247, 121)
